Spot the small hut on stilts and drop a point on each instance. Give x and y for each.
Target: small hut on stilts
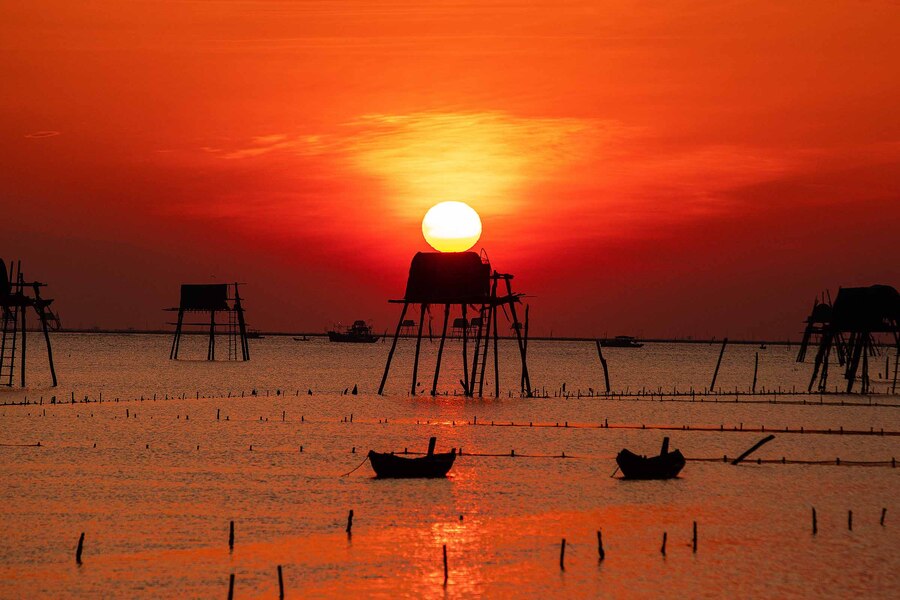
(464, 280)
(849, 326)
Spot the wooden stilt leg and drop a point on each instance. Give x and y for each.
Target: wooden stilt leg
(465, 350)
(412, 388)
(437, 366)
(390, 357)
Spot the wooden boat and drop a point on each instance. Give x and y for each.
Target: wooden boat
(665, 466)
(389, 465)
(301, 339)
(358, 333)
(621, 341)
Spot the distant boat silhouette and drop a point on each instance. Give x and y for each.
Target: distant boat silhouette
(621, 341)
(301, 339)
(358, 333)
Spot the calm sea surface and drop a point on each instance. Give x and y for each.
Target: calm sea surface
(154, 483)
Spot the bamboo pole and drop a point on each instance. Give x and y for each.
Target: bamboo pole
(437, 366)
(712, 385)
(390, 357)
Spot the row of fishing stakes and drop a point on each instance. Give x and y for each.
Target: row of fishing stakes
(815, 523)
(601, 553)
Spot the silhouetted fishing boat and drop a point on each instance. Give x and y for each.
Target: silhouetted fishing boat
(358, 333)
(665, 466)
(389, 465)
(301, 339)
(621, 341)
(254, 334)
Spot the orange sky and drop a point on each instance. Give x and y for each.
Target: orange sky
(677, 168)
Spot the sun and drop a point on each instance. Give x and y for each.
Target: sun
(451, 227)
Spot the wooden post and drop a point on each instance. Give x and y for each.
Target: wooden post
(43, 315)
(896, 369)
(24, 334)
(695, 537)
(446, 573)
(176, 341)
(350, 522)
(231, 587)
(231, 536)
(850, 520)
(280, 584)
(765, 440)
(562, 555)
(512, 311)
(755, 371)
(437, 366)
(211, 351)
(465, 348)
(431, 443)
(412, 388)
(814, 523)
(390, 357)
(883, 513)
(242, 326)
(79, 549)
(718, 363)
(601, 553)
(603, 364)
(663, 549)
(525, 343)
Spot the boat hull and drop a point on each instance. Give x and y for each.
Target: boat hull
(391, 466)
(347, 338)
(664, 466)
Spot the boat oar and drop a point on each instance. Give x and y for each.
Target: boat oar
(614, 472)
(358, 466)
(765, 440)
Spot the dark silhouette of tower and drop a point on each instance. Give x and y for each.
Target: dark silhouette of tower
(213, 298)
(14, 303)
(848, 326)
(462, 279)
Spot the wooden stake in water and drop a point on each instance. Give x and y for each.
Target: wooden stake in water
(695, 537)
(600, 551)
(755, 371)
(446, 573)
(883, 513)
(79, 549)
(718, 364)
(815, 525)
(231, 587)
(562, 555)
(603, 364)
(231, 537)
(350, 522)
(850, 520)
(280, 584)
(663, 549)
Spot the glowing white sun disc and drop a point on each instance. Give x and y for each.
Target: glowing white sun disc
(451, 227)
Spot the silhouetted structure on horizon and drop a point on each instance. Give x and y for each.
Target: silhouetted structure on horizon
(464, 279)
(213, 298)
(848, 325)
(14, 302)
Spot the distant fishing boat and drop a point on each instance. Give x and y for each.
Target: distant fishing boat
(665, 466)
(430, 466)
(254, 334)
(358, 333)
(301, 339)
(620, 341)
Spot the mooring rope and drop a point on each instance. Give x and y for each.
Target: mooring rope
(358, 466)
